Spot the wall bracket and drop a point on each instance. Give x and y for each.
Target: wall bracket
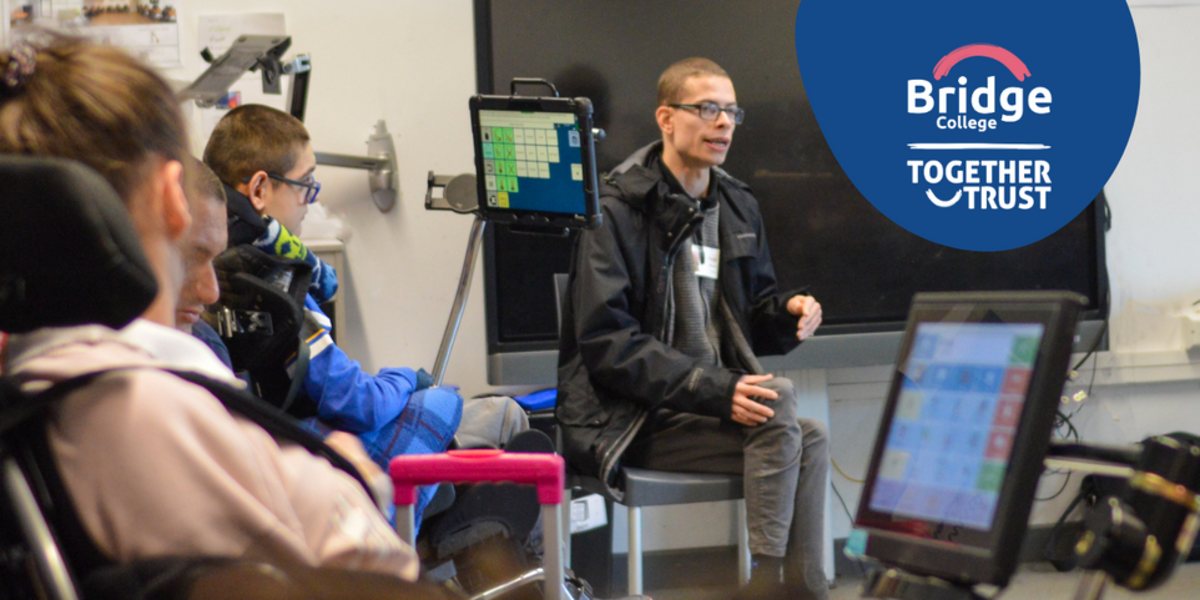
(384, 177)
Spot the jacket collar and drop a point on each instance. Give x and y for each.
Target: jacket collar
(151, 345)
(639, 182)
(637, 175)
(245, 224)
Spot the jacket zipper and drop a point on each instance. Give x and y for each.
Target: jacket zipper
(672, 254)
(622, 441)
(607, 463)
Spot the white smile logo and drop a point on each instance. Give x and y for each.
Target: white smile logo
(943, 203)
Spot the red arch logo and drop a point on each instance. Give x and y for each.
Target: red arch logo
(1004, 57)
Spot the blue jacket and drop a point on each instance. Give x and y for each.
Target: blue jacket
(373, 407)
(347, 397)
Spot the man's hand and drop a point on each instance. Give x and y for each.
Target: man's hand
(747, 411)
(809, 311)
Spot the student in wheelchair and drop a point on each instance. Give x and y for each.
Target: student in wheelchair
(152, 448)
(156, 465)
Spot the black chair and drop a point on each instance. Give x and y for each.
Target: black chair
(644, 487)
(63, 262)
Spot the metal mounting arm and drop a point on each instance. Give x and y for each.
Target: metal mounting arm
(384, 176)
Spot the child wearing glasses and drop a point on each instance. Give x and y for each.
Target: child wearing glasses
(265, 159)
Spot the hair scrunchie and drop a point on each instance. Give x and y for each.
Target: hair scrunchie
(22, 62)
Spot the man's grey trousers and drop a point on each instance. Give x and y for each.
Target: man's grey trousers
(785, 462)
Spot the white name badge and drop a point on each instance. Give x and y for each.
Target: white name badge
(706, 259)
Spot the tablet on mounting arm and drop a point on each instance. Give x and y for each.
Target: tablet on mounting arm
(535, 161)
(964, 432)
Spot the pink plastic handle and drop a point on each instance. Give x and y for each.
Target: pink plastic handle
(478, 466)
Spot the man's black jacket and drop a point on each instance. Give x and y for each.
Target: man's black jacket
(616, 362)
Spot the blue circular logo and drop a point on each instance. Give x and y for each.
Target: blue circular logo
(978, 125)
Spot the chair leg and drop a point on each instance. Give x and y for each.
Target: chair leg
(635, 550)
(743, 544)
(566, 517)
(552, 558)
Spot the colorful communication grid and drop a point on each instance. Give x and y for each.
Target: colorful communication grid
(955, 421)
(532, 161)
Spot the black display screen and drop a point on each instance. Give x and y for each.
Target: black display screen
(964, 430)
(863, 268)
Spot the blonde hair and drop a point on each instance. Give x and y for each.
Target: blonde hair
(94, 104)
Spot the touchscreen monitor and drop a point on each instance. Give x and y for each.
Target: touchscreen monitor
(534, 160)
(965, 429)
(951, 436)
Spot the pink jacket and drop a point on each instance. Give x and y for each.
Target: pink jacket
(158, 466)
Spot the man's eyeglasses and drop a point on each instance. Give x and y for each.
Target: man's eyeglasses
(311, 187)
(709, 111)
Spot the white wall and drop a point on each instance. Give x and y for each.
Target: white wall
(412, 63)
(1147, 383)
(1153, 247)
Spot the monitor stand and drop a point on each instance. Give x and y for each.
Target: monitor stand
(460, 300)
(464, 279)
(901, 585)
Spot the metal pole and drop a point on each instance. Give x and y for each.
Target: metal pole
(743, 545)
(347, 161)
(565, 510)
(460, 300)
(635, 550)
(552, 556)
(533, 576)
(406, 525)
(1091, 586)
(45, 552)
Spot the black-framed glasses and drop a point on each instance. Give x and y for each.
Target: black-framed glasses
(311, 187)
(709, 111)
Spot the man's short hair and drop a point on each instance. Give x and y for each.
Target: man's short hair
(254, 138)
(200, 183)
(671, 82)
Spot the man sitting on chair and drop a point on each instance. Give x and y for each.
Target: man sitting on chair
(671, 299)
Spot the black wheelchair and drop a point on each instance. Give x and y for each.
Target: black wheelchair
(69, 256)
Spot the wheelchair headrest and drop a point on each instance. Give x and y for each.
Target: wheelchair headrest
(68, 253)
